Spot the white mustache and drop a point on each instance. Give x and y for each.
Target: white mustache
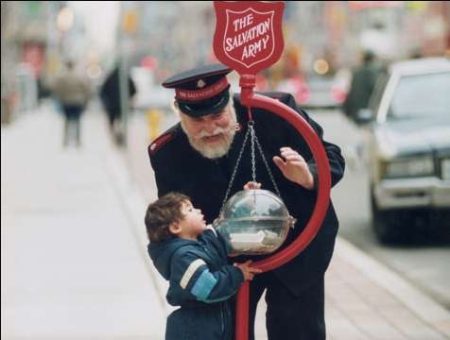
(217, 131)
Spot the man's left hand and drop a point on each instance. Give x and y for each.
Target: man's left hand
(294, 167)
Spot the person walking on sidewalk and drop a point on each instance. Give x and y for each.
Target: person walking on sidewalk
(197, 157)
(193, 258)
(112, 101)
(72, 92)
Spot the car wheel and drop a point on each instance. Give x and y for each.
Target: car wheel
(386, 227)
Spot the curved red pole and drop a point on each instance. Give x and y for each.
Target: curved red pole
(323, 185)
(322, 202)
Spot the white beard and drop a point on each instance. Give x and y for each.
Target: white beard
(220, 148)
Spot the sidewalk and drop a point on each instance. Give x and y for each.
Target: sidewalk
(73, 256)
(74, 262)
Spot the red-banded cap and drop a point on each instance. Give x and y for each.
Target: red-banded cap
(201, 91)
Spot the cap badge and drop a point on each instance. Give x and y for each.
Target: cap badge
(201, 83)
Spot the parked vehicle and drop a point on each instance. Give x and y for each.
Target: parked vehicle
(318, 92)
(326, 92)
(409, 149)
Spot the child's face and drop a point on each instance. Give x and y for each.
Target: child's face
(193, 222)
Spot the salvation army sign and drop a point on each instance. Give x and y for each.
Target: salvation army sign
(248, 36)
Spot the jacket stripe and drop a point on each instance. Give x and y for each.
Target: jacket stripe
(204, 285)
(190, 272)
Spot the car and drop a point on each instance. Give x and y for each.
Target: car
(318, 92)
(326, 92)
(409, 149)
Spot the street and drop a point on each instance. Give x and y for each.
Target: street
(424, 265)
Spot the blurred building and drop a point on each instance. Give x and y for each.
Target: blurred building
(175, 34)
(168, 36)
(180, 34)
(337, 31)
(26, 32)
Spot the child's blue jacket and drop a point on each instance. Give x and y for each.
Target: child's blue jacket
(201, 282)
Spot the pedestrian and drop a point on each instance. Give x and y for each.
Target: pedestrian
(193, 258)
(72, 92)
(197, 157)
(112, 101)
(362, 85)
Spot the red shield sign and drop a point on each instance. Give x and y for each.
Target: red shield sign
(248, 35)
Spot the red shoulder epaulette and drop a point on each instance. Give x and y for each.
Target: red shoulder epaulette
(159, 142)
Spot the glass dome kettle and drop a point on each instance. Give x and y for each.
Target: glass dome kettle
(254, 222)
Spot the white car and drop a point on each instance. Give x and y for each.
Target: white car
(409, 149)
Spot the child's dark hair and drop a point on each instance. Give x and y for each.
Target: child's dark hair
(162, 213)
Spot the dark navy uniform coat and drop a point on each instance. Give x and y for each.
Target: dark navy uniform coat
(201, 282)
(178, 167)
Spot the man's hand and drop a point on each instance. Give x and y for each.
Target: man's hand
(248, 271)
(294, 167)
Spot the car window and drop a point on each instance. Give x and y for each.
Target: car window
(421, 96)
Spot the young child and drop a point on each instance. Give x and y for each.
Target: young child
(193, 258)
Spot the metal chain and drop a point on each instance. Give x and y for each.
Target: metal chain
(253, 139)
(252, 145)
(233, 175)
(267, 167)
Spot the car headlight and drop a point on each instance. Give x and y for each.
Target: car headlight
(409, 167)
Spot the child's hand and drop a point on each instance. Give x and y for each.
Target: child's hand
(248, 271)
(252, 185)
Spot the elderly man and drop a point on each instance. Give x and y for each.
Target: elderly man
(197, 157)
